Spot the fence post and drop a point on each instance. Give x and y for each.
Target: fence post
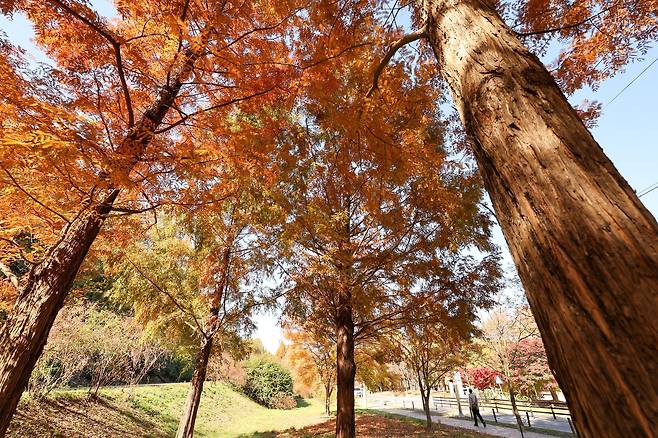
(553, 412)
(496, 405)
(571, 426)
(412, 405)
(493, 411)
(528, 417)
(436, 407)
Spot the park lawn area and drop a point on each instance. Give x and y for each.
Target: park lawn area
(153, 411)
(374, 425)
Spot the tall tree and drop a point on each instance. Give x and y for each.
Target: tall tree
(192, 279)
(129, 115)
(584, 245)
(435, 342)
(531, 370)
(373, 207)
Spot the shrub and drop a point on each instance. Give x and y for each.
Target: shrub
(283, 401)
(267, 382)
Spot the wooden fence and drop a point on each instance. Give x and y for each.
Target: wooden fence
(539, 406)
(495, 406)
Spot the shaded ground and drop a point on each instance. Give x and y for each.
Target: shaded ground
(373, 426)
(153, 411)
(73, 417)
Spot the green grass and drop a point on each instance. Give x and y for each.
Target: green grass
(224, 412)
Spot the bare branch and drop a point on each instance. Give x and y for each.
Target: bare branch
(214, 107)
(409, 38)
(173, 300)
(568, 26)
(18, 186)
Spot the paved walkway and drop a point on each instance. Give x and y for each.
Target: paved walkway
(466, 424)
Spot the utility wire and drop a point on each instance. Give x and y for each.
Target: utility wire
(631, 82)
(649, 189)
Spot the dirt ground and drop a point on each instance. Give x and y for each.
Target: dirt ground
(375, 426)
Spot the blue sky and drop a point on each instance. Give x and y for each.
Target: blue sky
(627, 131)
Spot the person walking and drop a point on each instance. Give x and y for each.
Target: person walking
(475, 408)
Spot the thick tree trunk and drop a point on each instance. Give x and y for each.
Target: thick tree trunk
(346, 371)
(584, 245)
(186, 423)
(25, 331)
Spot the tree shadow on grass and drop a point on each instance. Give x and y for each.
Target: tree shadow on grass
(301, 402)
(84, 417)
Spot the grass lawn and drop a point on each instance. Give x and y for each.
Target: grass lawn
(153, 411)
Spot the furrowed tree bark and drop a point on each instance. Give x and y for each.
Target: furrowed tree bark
(345, 369)
(186, 423)
(26, 329)
(585, 247)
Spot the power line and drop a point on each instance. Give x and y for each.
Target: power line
(631, 82)
(649, 189)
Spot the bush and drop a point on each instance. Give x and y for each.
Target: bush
(268, 383)
(283, 401)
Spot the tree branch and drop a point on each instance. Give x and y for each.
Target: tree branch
(18, 186)
(116, 46)
(409, 38)
(10, 275)
(567, 26)
(170, 296)
(214, 107)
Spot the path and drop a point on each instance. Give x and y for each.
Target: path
(467, 424)
(388, 402)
